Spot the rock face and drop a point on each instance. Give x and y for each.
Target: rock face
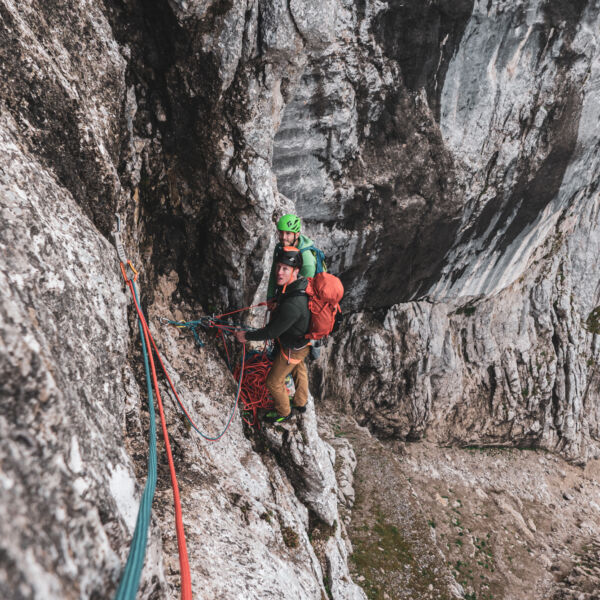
(360, 152)
(67, 485)
(443, 154)
(500, 348)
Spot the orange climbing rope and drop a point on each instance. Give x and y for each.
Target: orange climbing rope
(184, 565)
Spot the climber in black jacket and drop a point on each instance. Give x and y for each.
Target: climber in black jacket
(289, 325)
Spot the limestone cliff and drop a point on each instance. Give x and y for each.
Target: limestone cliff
(499, 347)
(443, 154)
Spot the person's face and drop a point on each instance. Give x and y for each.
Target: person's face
(287, 238)
(285, 274)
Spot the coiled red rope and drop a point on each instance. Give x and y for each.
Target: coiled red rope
(253, 392)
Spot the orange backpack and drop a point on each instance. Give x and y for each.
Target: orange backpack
(324, 292)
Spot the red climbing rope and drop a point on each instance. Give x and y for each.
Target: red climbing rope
(253, 392)
(184, 565)
(254, 369)
(240, 310)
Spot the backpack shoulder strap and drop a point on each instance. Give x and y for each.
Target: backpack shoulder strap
(294, 294)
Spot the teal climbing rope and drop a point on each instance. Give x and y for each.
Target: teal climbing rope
(130, 580)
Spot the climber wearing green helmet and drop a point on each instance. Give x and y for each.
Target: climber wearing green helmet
(288, 230)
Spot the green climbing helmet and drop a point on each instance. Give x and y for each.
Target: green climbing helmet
(289, 223)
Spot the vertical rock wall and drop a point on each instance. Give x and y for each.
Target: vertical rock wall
(68, 485)
(499, 349)
(67, 490)
(360, 152)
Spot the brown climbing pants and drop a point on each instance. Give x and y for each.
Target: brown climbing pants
(276, 379)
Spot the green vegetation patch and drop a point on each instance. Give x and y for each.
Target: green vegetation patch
(385, 549)
(592, 323)
(319, 530)
(384, 552)
(290, 537)
(468, 310)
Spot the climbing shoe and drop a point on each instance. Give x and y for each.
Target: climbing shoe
(274, 417)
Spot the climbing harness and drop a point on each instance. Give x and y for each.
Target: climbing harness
(288, 357)
(130, 579)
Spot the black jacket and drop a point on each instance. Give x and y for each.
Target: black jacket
(290, 320)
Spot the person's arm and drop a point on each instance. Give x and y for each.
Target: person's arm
(285, 317)
(309, 264)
